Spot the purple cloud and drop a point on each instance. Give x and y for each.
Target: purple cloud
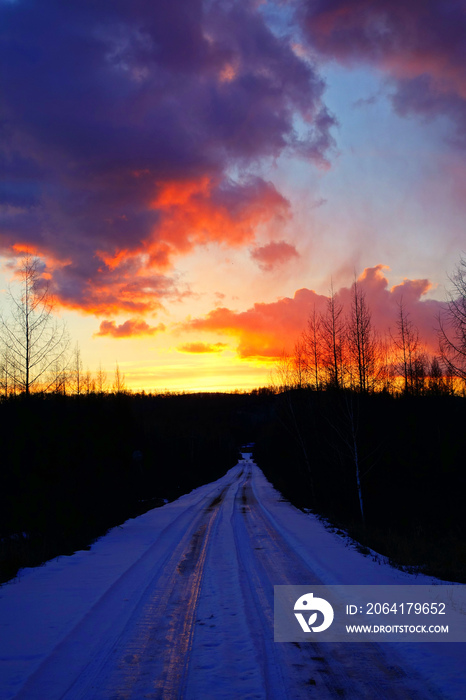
(420, 45)
(105, 105)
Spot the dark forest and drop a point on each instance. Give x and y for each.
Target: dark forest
(387, 470)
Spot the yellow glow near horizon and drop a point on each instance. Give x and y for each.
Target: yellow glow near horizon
(194, 373)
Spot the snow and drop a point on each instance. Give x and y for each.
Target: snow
(181, 598)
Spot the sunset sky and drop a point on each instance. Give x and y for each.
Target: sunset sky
(195, 175)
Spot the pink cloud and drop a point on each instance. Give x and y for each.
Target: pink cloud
(128, 329)
(269, 256)
(206, 210)
(267, 329)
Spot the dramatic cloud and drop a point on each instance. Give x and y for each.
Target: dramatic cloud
(420, 45)
(131, 130)
(202, 211)
(201, 348)
(274, 254)
(105, 288)
(384, 302)
(128, 329)
(266, 330)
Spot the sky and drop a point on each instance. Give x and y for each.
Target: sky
(195, 176)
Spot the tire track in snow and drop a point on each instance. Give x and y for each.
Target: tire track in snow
(89, 649)
(153, 654)
(192, 618)
(180, 640)
(227, 662)
(314, 670)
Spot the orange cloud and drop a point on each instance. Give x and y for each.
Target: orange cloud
(25, 249)
(266, 330)
(121, 284)
(128, 329)
(200, 347)
(119, 275)
(206, 210)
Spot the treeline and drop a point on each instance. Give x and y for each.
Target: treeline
(369, 431)
(35, 354)
(340, 348)
(73, 466)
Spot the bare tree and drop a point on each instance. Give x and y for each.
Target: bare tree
(7, 383)
(452, 325)
(119, 384)
(420, 372)
(281, 376)
(406, 341)
(361, 340)
(76, 371)
(88, 383)
(57, 378)
(437, 382)
(33, 339)
(101, 380)
(333, 341)
(299, 364)
(312, 338)
(386, 371)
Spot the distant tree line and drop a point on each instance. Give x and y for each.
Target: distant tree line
(35, 346)
(367, 431)
(370, 432)
(341, 349)
(73, 466)
(388, 469)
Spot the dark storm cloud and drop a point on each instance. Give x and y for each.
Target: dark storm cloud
(420, 44)
(107, 103)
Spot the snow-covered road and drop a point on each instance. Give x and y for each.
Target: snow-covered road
(179, 603)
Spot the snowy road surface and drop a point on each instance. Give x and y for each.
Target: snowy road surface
(178, 603)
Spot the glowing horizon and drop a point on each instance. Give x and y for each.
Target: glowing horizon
(195, 181)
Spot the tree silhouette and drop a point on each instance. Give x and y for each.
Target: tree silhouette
(452, 332)
(406, 342)
(333, 341)
(119, 383)
(361, 340)
(34, 341)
